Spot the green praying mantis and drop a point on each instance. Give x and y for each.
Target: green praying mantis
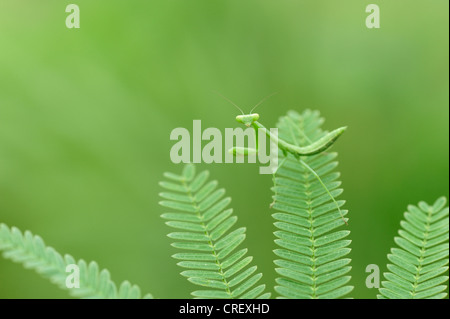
(317, 147)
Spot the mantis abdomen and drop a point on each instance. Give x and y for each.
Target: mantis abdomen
(314, 148)
(317, 147)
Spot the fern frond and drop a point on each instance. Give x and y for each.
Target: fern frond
(200, 214)
(31, 251)
(312, 249)
(421, 258)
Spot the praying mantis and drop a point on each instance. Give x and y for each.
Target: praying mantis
(317, 147)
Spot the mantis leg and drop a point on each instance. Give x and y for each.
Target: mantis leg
(324, 186)
(246, 151)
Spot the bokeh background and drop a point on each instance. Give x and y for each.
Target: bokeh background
(85, 118)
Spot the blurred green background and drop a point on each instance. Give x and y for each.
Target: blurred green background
(85, 118)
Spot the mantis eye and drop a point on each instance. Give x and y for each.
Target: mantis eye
(255, 116)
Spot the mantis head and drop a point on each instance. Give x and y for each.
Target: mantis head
(247, 119)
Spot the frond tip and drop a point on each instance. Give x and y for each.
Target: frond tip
(421, 258)
(312, 249)
(31, 251)
(206, 238)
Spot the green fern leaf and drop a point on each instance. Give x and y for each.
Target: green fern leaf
(311, 248)
(417, 266)
(31, 251)
(204, 233)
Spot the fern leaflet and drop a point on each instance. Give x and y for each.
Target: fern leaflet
(312, 251)
(31, 251)
(421, 258)
(199, 211)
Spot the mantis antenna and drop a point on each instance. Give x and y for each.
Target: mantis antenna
(263, 100)
(229, 101)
